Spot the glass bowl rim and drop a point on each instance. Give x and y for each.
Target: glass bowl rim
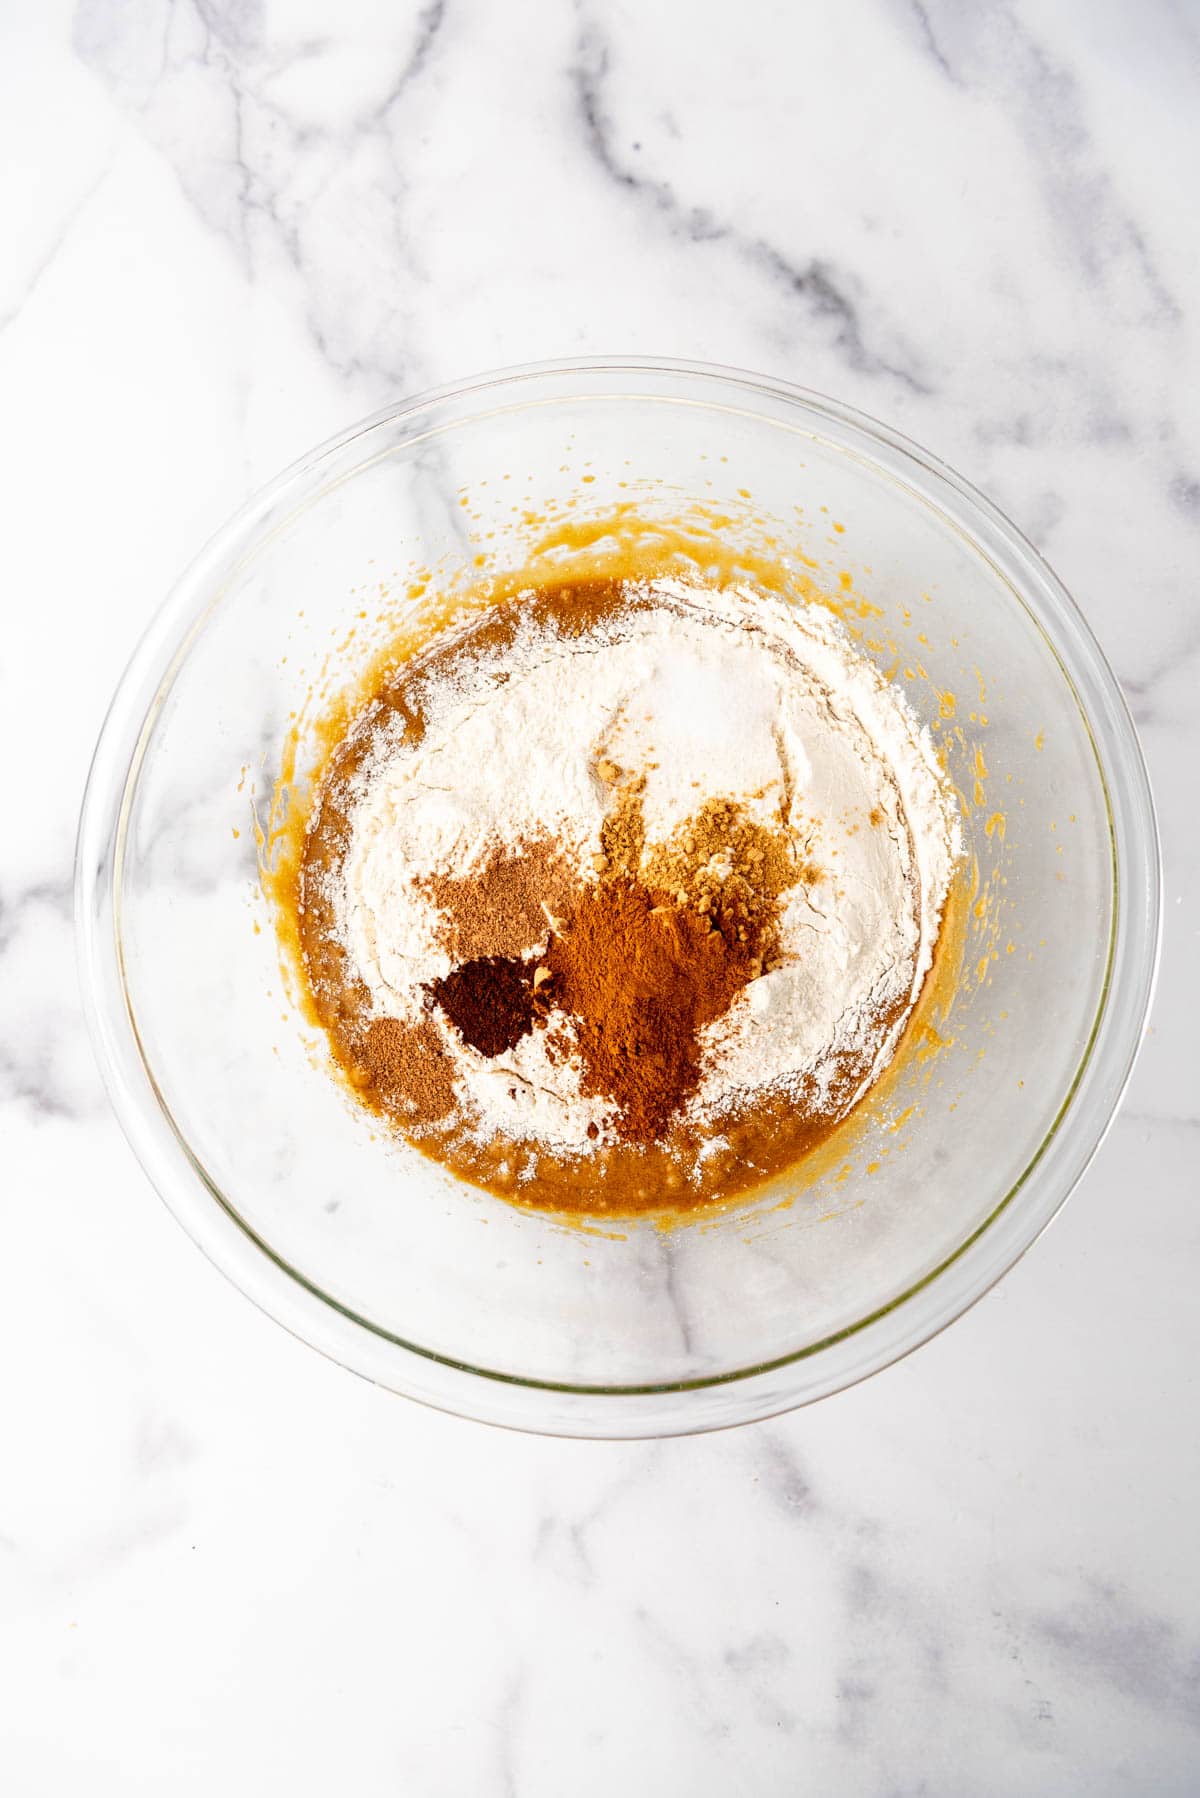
(706, 1402)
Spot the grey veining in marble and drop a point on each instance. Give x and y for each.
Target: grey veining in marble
(230, 229)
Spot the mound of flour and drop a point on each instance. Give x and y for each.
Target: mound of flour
(730, 694)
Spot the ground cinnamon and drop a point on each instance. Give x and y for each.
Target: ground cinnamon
(642, 976)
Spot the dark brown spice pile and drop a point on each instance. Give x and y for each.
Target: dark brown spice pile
(489, 1001)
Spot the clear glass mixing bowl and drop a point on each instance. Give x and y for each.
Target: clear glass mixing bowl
(444, 1293)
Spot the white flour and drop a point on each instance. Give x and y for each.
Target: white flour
(730, 694)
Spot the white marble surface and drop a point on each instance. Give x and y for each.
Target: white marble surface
(231, 228)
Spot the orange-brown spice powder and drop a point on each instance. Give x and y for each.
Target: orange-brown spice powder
(642, 976)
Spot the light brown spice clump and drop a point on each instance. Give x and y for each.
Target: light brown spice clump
(406, 1066)
(623, 832)
(500, 908)
(730, 869)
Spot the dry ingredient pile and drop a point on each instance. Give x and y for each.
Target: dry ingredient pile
(620, 895)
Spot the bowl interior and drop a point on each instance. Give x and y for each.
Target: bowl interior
(383, 1236)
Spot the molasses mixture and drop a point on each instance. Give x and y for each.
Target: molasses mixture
(619, 895)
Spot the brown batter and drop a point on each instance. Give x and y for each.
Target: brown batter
(634, 970)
